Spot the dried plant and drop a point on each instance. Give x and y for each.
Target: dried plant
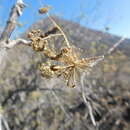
(71, 63)
(68, 62)
(38, 44)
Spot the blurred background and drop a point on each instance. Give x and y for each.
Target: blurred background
(112, 15)
(30, 102)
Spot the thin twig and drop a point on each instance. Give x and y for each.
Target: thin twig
(115, 46)
(87, 102)
(52, 35)
(4, 123)
(109, 51)
(59, 102)
(82, 79)
(0, 121)
(53, 21)
(12, 43)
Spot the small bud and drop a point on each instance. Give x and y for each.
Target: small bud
(44, 10)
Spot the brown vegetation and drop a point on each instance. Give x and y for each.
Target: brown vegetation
(29, 101)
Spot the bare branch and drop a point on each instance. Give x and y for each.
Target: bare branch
(84, 96)
(60, 103)
(86, 100)
(3, 121)
(11, 23)
(5, 43)
(12, 43)
(109, 51)
(5, 124)
(115, 46)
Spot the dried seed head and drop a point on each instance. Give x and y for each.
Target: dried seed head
(46, 71)
(49, 53)
(38, 44)
(70, 64)
(34, 33)
(44, 10)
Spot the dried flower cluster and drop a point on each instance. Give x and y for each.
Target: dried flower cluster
(68, 62)
(38, 44)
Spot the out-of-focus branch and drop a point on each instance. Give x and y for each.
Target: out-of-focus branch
(87, 101)
(12, 93)
(16, 11)
(109, 51)
(3, 121)
(115, 46)
(12, 43)
(5, 42)
(84, 96)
